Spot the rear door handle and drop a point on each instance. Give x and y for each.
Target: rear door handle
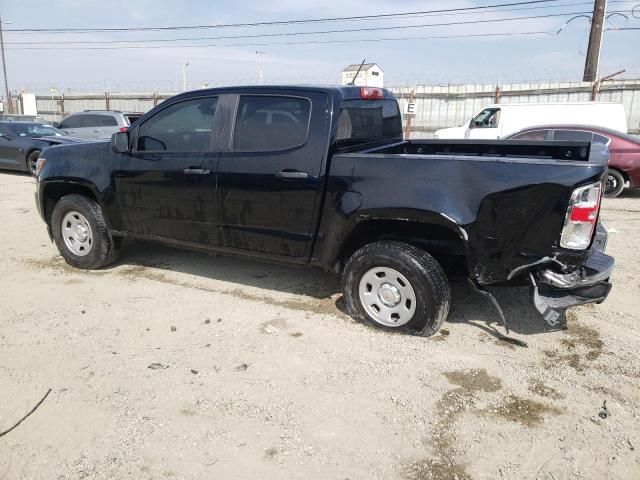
(196, 171)
(292, 175)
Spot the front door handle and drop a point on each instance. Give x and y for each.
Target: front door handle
(292, 175)
(196, 171)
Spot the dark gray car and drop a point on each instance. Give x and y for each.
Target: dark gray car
(97, 124)
(22, 142)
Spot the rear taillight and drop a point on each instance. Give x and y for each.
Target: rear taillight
(40, 165)
(123, 129)
(371, 93)
(581, 218)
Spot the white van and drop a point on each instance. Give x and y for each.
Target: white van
(498, 121)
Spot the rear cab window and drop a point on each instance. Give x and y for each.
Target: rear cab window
(368, 121)
(271, 122)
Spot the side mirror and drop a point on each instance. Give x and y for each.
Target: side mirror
(54, 124)
(120, 142)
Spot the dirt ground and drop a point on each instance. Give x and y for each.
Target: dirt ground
(173, 364)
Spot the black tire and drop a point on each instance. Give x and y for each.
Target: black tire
(104, 248)
(32, 159)
(424, 273)
(615, 183)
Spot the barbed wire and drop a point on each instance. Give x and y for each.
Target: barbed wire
(407, 80)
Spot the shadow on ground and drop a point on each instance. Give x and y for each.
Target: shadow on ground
(468, 307)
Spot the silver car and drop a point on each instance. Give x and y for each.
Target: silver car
(97, 124)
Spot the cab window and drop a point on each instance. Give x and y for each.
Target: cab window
(181, 127)
(267, 123)
(488, 118)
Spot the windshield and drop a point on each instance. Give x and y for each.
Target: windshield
(34, 130)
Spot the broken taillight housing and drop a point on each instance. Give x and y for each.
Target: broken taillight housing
(582, 216)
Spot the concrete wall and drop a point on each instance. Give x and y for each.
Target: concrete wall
(436, 106)
(451, 105)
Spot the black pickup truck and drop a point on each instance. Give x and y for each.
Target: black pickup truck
(322, 177)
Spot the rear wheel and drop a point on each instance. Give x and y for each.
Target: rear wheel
(81, 234)
(615, 183)
(32, 161)
(396, 286)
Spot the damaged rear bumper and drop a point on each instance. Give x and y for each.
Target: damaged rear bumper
(555, 292)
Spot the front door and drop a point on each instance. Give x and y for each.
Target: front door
(166, 185)
(269, 181)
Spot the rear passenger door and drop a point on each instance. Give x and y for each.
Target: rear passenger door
(269, 179)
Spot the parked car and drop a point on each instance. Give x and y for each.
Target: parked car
(624, 150)
(320, 176)
(501, 120)
(22, 142)
(97, 124)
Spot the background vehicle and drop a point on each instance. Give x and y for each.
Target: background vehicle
(97, 124)
(624, 150)
(498, 121)
(321, 177)
(22, 142)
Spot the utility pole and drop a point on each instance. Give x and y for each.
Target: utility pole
(184, 76)
(595, 41)
(8, 101)
(260, 54)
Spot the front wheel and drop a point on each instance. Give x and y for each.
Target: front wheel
(396, 286)
(615, 183)
(32, 162)
(81, 234)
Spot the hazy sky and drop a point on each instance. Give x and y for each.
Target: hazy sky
(453, 60)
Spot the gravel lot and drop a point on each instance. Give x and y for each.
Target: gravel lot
(259, 374)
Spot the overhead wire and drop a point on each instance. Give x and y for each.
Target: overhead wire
(289, 34)
(276, 22)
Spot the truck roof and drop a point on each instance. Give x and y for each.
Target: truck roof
(343, 92)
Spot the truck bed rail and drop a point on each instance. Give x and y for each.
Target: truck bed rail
(557, 150)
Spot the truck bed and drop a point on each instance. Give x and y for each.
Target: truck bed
(506, 200)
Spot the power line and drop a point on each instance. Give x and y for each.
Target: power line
(292, 34)
(311, 42)
(278, 22)
(72, 42)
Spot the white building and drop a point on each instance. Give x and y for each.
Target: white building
(371, 75)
